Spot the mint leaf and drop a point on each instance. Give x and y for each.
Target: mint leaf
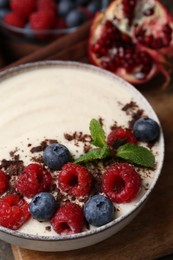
(97, 134)
(136, 154)
(94, 154)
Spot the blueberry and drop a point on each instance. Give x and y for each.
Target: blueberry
(3, 12)
(55, 156)
(99, 210)
(75, 18)
(146, 130)
(94, 6)
(65, 6)
(28, 32)
(43, 206)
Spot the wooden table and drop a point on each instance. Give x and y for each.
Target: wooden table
(150, 234)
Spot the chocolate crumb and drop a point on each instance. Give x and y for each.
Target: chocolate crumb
(48, 228)
(87, 148)
(78, 137)
(37, 159)
(12, 167)
(101, 121)
(36, 149)
(68, 137)
(135, 116)
(129, 106)
(150, 144)
(114, 126)
(43, 145)
(12, 153)
(52, 141)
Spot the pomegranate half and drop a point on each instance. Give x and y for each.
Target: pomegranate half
(133, 39)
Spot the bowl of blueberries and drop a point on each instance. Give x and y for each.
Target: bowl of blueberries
(45, 20)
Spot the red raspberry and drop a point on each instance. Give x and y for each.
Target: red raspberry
(75, 180)
(68, 219)
(35, 179)
(23, 7)
(14, 211)
(14, 19)
(4, 183)
(42, 20)
(46, 5)
(120, 182)
(121, 136)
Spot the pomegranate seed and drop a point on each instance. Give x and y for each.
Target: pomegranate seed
(128, 9)
(167, 29)
(149, 11)
(116, 50)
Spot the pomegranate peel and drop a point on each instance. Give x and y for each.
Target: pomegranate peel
(133, 41)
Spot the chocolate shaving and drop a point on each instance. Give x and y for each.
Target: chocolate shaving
(39, 148)
(12, 167)
(101, 121)
(78, 136)
(130, 106)
(87, 148)
(135, 116)
(68, 137)
(42, 146)
(114, 126)
(37, 159)
(48, 228)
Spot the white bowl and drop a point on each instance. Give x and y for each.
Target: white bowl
(92, 236)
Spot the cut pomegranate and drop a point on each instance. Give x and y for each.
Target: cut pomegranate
(132, 39)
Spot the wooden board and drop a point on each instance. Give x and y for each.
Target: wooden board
(150, 234)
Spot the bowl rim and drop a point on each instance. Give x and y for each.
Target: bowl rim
(77, 65)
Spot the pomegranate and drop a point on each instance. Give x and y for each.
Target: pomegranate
(133, 39)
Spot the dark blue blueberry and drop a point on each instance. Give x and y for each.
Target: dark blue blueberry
(75, 18)
(99, 210)
(146, 130)
(55, 156)
(65, 6)
(3, 12)
(28, 32)
(43, 206)
(94, 6)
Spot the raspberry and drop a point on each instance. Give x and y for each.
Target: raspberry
(46, 5)
(68, 219)
(121, 136)
(42, 20)
(13, 211)
(14, 19)
(4, 183)
(23, 7)
(75, 180)
(120, 182)
(35, 179)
